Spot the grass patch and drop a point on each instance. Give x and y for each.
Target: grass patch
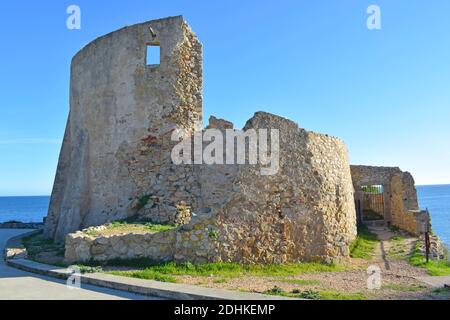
(364, 245)
(301, 282)
(404, 288)
(168, 270)
(36, 244)
(147, 274)
(315, 295)
(397, 239)
(332, 295)
(220, 280)
(394, 228)
(130, 226)
(398, 248)
(86, 269)
(434, 267)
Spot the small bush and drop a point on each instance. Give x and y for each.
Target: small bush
(87, 269)
(143, 201)
(394, 228)
(275, 291)
(310, 294)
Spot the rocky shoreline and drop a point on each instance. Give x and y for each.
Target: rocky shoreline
(21, 225)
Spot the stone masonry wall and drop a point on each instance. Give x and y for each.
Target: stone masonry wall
(305, 212)
(116, 163)
(400, 195)
(83, 247)
(116, 148)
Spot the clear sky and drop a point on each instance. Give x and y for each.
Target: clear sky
(385, 92)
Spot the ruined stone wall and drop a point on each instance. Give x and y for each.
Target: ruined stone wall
(400, 195)
(83, 247)
(116, 163)
(116, 149)
(305, 212)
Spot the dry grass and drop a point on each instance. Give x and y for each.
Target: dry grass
(123, 227)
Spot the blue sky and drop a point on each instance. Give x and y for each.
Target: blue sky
(386, 93)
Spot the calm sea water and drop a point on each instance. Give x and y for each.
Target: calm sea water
(24, 209)
(435, 198)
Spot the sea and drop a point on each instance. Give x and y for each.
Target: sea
(437, 200)
(434, 198)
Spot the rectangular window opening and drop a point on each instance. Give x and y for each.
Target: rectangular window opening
(373, 189)
(153, 55)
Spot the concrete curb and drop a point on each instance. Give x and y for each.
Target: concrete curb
(165, 290)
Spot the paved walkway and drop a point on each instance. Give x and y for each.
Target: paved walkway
(436, 282)
(20, 285)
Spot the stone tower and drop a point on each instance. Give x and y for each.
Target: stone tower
(116, 147)
(116, 163)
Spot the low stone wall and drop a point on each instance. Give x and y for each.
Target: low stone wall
(82, 247)
(409, 221)
(194, 242)
(14, 248)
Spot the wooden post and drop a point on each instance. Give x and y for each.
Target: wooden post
(358, 212)
(427, 236)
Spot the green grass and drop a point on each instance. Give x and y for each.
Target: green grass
(371, 189)
(332, 295)
(301, 282)
(315, 295)
(397, 239)
(86, 269)
(364, 245)
(159, 227)
(123, 226)
(394, 228)
(221, 280)
(398, 248)
(404, 288)
(145, 274)
(153, 227)
(434, 267)
(36, 244)
(167, 271)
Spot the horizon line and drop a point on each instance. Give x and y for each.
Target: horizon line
(49, 195)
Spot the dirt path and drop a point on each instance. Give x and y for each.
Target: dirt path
(397, 275)
(391, 255)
